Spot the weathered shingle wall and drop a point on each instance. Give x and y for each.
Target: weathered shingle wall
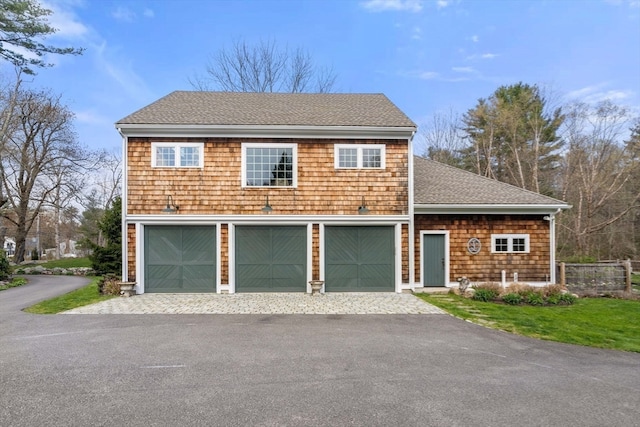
(216, 189)
(486, 266)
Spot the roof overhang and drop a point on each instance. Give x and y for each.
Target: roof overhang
(275, 131)
(521, 209)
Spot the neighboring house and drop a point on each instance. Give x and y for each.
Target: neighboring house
(259, 192)
(9, 246)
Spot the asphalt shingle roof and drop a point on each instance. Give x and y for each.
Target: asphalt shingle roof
(288, 109)
(437, 183)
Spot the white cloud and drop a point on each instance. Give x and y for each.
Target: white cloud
(464, 69)
(441, 4)
(149, 13)
(475, 38)
(631, 3)
(393, 5)
(65, 21)
(92, 118)
(427, 75)
(597, 93)
(121, 72)
(124, 14)
(416, 33)
(482, 56)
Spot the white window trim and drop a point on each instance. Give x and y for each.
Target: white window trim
(294, 168)
(359, 147)
(177, 146)
(510, 238)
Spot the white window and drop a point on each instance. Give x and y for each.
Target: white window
(177, 154)
(269, 165)
(361, 156)
(503, 243)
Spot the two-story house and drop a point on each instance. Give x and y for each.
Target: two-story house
(259, 192)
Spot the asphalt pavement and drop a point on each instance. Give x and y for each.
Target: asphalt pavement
(295, 370)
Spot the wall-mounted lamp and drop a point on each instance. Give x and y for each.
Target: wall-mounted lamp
(267, 207)
(363, 210)
(171, 207)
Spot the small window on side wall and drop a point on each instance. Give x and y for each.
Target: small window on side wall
(177, 155)
(359, 156)
(510, 243)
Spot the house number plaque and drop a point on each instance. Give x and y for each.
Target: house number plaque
(473, 245)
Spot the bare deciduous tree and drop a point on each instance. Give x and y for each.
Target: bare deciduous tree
(441, 138)
(598, 178)
(264, 67)
(40, 141)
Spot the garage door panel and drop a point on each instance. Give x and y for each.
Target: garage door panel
(197, 245)
(359, 258)
(163, 246)
(377, 245)
(180, 259)
(258, 240)
(164, 278)
(342, 245)
(197, 277)
(342, 277)
(271, 259)
(254, 271)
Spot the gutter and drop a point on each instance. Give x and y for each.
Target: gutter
(420, 208)
(261, 131)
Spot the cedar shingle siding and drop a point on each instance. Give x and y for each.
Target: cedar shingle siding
(216, 189)
(485, 266)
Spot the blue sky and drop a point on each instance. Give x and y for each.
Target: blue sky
(425, 55)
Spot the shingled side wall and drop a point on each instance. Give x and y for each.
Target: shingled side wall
(486, 266)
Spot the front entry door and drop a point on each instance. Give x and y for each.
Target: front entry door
(434, 260)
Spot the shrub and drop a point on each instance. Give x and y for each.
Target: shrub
(554, 299)
(512, 298)
(550, 290)
(34, 255)
(568, 298)
(5, 268)
(487, 291)
(109, 285)
(107, 259)
(534, 298)
(521, 289)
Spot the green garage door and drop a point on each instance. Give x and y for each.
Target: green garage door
(359, 259)
(271, 259)
(179, 258)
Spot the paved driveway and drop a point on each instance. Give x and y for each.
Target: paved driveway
(296, 370)
(265, 303)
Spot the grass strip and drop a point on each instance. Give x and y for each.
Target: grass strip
(594, 322)
(78, 298)
(15, 282)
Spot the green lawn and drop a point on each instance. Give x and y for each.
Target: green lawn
(596, 322)
(83, 296)
(67, 263)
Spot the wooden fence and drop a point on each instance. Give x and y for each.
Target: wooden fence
(596, 278)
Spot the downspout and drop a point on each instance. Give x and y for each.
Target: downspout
(552, 246)
(123, 213)
(411, 238)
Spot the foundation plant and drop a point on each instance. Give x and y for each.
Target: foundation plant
(522, 294)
